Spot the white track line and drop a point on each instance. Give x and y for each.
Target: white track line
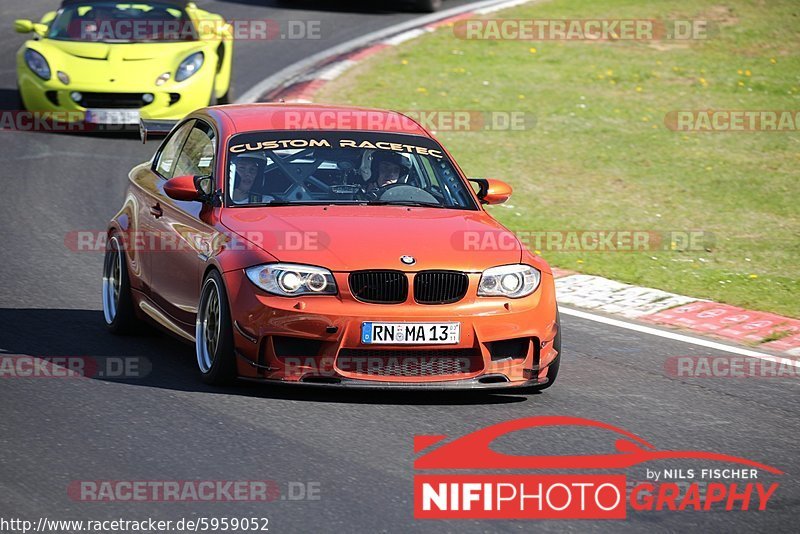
(677, 337)
(291, 72)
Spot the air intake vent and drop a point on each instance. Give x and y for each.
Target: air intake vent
(509, 348)
(440, 287)
(379, 287)
(113, 100)
(52, 96)
(295, 347)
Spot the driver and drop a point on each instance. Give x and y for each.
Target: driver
(248, 169)
(387, 168)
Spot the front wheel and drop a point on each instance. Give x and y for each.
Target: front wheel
(117, 300)
(213, 333)
(222, 100)
(225, 99)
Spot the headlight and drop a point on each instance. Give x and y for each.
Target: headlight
(37, 63)
(189, 66)
(291, 280)
(509, 281)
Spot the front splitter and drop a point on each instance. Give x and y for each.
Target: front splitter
(472, 384)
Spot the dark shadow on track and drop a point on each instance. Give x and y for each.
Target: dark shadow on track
(171, 364)
(9, 100)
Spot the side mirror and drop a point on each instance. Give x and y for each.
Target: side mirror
(23, 26)
(189, 188)
(491, 191)
(222, 30)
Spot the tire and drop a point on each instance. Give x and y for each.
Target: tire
(118, 312)
(224, 99)
(216, 359)
(428, 6)
(221, 101)
(212, 100)
(552, 370)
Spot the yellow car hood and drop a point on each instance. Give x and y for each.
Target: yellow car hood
(113, 65)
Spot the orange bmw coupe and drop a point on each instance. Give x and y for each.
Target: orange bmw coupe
(327, 246)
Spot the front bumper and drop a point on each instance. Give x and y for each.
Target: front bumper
(171, 101)
(505, 343)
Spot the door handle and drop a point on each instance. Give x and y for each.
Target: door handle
(156, 211)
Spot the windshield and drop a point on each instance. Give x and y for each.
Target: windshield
(290, 168)
(114, 22)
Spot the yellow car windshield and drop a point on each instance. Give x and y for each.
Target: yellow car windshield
(114, 22)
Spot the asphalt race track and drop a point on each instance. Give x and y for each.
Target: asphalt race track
(356, 447)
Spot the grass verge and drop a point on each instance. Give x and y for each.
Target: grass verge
(600, 156)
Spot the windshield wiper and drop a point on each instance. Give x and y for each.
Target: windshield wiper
(298, 203)
(412, 203)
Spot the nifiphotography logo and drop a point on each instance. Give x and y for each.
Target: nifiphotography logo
(489, 491)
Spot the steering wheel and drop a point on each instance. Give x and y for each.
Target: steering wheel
(378, 192)
(403, 193)
(382, 190)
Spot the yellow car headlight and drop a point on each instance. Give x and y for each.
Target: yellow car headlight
(189, 67)
(38, 64)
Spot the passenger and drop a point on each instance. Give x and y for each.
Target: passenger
(248, 170)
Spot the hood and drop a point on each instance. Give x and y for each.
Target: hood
(115, 64)
(349, 238)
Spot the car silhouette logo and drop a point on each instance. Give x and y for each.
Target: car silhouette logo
(473, 451)
(408, 260)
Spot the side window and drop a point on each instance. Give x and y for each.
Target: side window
(197, 155)
(165, 162)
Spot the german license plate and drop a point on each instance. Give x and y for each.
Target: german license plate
(410, 333)
(112, 116)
